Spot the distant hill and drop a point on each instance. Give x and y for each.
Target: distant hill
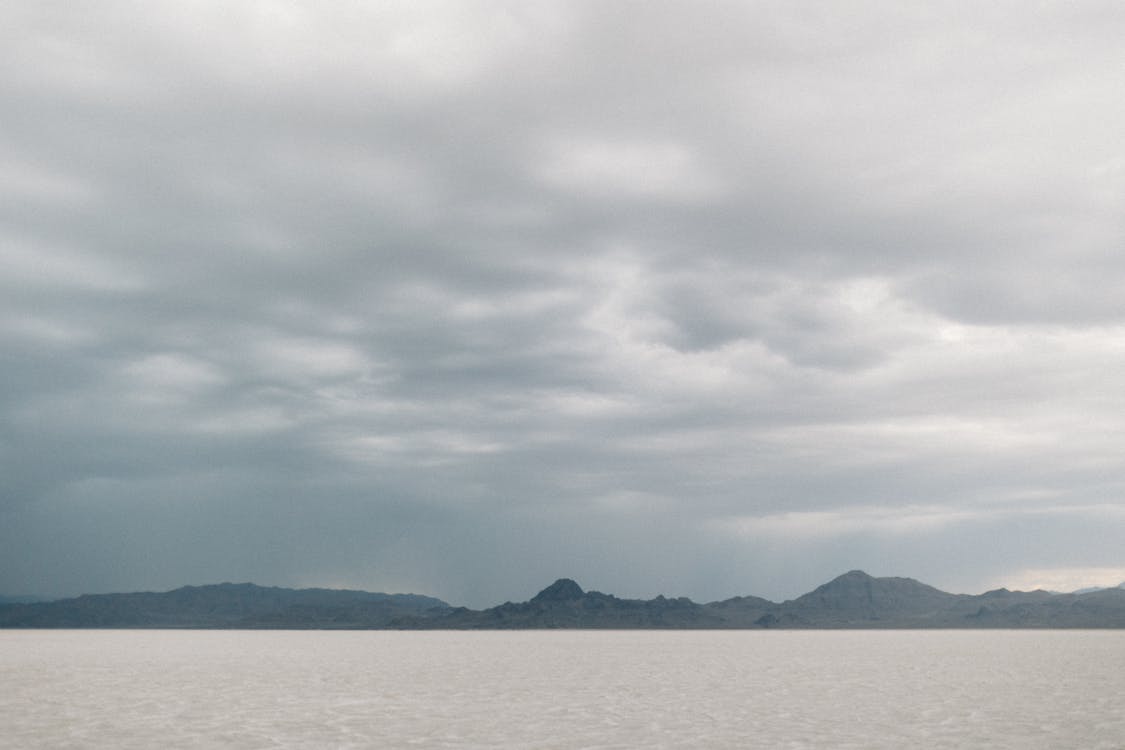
(857, 600)
(564, 604)
(852, 600)
(21, 599)
(224, 605)
(1091, 589)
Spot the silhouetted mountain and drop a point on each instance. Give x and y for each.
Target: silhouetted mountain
(562, 590)
(224, 605)
(853, 600)
(856, 598)
(564, 604)
(743, 611)
(1040, 609)
(21, 599)
(1091, 589)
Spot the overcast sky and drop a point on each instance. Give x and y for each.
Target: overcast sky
(695, 298)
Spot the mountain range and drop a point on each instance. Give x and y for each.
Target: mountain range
(224, 605)
(852, 600)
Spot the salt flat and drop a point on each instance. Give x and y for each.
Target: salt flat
(562, 689)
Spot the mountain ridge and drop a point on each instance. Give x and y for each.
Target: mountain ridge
(223, 605)
(851, 600)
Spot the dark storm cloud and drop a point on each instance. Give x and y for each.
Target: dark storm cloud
(696, 299)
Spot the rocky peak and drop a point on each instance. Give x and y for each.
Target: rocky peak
(562, 590)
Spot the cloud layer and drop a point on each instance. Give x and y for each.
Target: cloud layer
(693, 299)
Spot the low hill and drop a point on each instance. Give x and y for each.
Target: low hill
(224, 605)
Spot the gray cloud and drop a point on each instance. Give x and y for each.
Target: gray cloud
(694, 300)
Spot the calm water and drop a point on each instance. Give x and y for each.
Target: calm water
(562, 689)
